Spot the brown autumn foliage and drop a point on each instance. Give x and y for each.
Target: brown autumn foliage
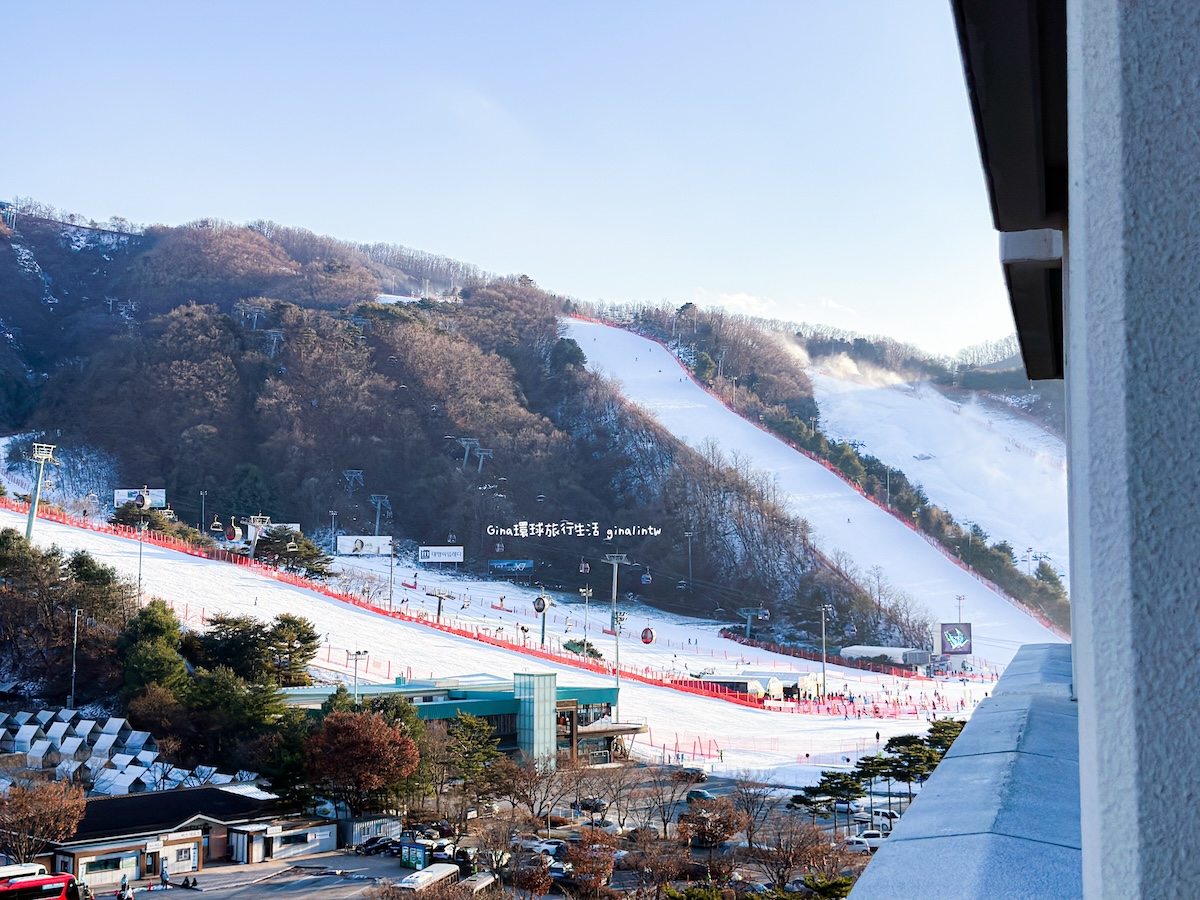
(354, 757)
(35, 814)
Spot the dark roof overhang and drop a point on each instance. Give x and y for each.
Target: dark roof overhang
(1015, 62)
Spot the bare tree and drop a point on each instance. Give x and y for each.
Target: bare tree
(536, 788)
(36, 814)
(788, 843)
(755, 799)
(661, 795)
(616, 784)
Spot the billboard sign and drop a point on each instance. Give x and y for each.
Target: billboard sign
(956, 638)
(364, 545)
(157, 496)
(440, 554)
(511, 566)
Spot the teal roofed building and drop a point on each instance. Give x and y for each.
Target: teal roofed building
(532, 714)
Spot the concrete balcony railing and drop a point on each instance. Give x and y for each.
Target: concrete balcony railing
(999, 818)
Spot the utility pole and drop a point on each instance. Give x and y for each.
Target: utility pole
(357, 655)
(203, 495)
(333, 532)
(614, 560)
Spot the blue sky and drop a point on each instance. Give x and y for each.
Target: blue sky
(809, 161)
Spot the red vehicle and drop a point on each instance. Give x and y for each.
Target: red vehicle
(41, 887)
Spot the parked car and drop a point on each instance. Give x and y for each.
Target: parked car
(554, 847)
(593, 804)
(560, 871)
(884, 819)
(856, 845)
(608, 826)
(690, 773)
(443, 850)
(698, 795)
(643, 833)
(847, 806)
(874, 837)
(372, 845)
(464, 858)
(525, 841)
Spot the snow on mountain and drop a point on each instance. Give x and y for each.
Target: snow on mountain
(842, 520)
(792, 746)
(983, 464)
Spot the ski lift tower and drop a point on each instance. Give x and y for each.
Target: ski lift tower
(752, 614)
(42, 454)
(468, 444)
(380, 502)
(354, 477)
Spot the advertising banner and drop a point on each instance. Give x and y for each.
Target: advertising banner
(364, 545)
(440, 554)
(511, 566)
(956, 638)
(158, 497)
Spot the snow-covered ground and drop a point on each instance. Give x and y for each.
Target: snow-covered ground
(793, 746)
(984, 465)
(841, 518)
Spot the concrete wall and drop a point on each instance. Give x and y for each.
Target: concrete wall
(1133, 387)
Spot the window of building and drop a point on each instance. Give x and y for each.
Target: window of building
(103, 865)
(183, 854)
(301, 838)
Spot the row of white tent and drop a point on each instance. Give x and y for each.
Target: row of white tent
(107, 753)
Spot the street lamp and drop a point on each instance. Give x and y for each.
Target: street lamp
(357, 655)
(614, 560)
(825, 608)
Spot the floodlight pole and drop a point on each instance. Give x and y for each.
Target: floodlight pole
(614, 560)
(74, 647)
(42, 454)
(357, 655)
(203, 495)
(333, 532)
(689, 535)
(141, 541)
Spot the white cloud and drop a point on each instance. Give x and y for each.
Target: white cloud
(740, 302)
(826, 303)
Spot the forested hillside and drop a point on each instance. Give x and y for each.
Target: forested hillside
(257, 368)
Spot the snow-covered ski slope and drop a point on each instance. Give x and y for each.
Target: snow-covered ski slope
(793, 746)
(841, 518)
(984, 465)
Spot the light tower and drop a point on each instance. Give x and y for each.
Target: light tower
(614, 560)
(42, 454)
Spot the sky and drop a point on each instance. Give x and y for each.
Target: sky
(797, 160)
